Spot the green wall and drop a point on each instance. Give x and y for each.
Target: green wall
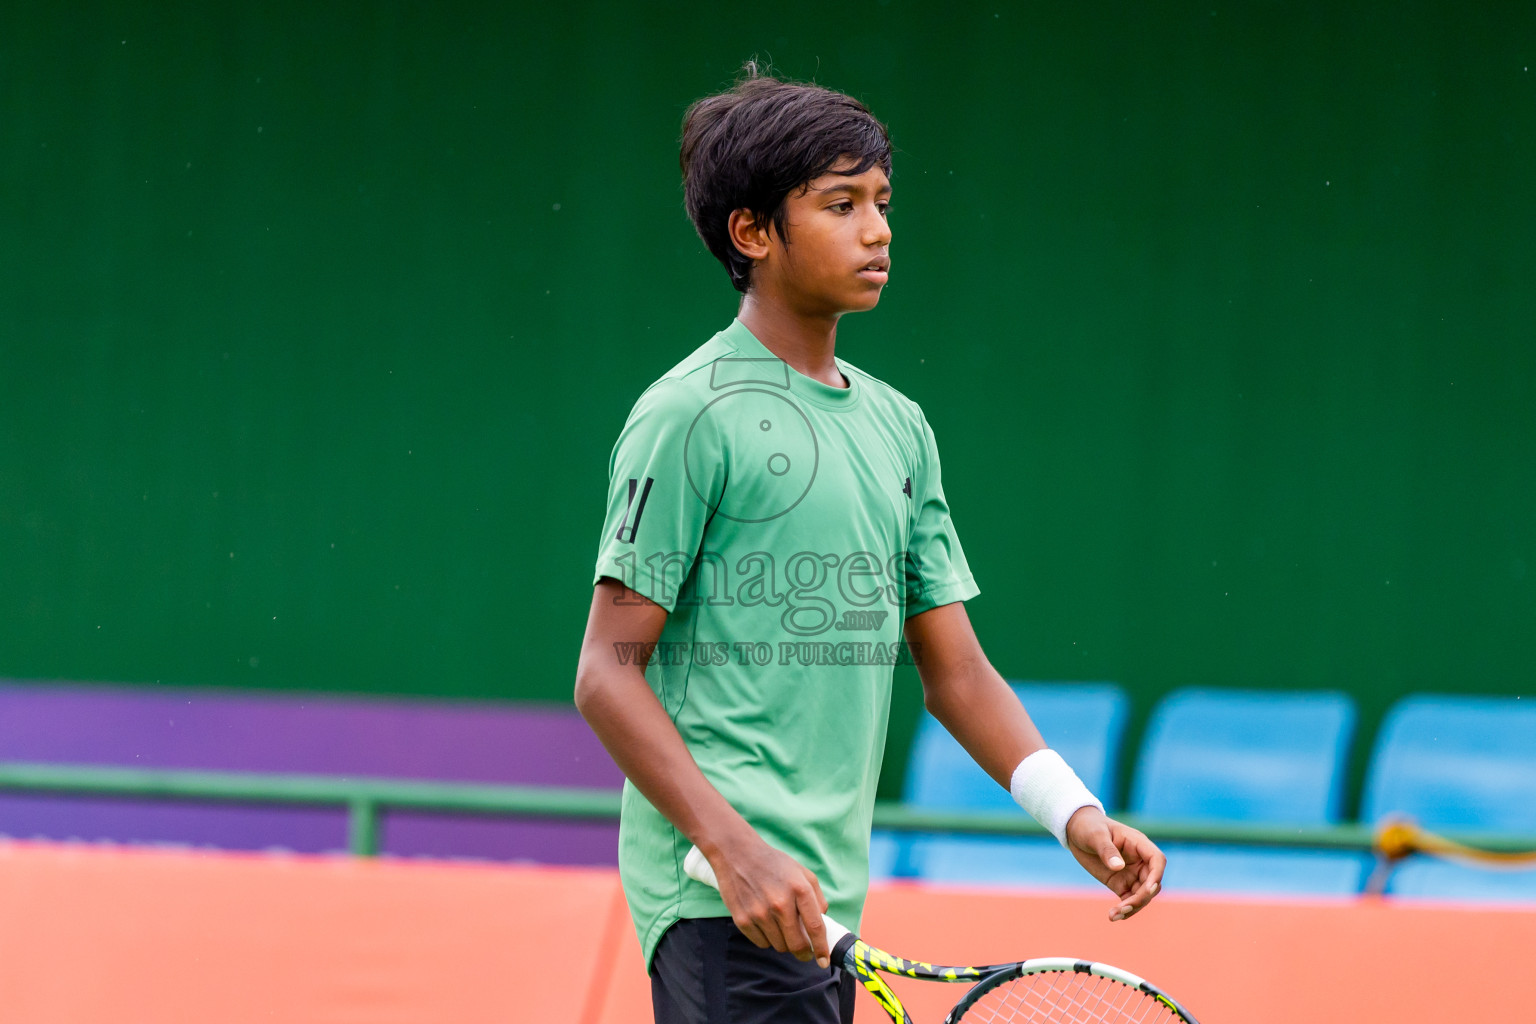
(317, 324)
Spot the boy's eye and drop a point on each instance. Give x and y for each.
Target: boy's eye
(845, 206)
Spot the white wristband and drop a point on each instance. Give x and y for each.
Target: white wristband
(1045, 786)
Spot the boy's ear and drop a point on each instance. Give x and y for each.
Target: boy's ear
(748, 235)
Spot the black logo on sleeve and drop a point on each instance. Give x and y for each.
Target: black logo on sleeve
(626, 526)
(906, 488)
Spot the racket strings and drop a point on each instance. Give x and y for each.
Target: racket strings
(1060, 997)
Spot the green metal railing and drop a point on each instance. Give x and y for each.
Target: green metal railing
(367, 800)
(364, 799)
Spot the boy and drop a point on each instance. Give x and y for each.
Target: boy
(775, 524)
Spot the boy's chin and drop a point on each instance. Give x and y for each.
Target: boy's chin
(863, 303)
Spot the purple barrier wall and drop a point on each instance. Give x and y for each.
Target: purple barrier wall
(241, 730)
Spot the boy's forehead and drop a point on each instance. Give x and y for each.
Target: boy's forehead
(837, 177)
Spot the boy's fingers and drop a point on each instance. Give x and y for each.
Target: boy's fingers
(773, 933)
(1109, 854)
(1144, 880)
(1156, 864)
(1094, 837)
(1137, 897)
(815, 930)
(821, 900)
(1137, 900)
(796, 942)
(754, 934)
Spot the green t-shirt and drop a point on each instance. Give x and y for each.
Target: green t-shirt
(788, 527)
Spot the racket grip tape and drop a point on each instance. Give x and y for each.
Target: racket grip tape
(697, 867)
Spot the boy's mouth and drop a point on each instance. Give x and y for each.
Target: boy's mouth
(877, 270)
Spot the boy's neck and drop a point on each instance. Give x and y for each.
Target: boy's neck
(806, 343)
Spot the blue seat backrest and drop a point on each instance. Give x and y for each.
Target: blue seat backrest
(1245, 755)
(1456, 763)
(1082, 721)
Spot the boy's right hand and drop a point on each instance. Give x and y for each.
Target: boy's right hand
(774, 900)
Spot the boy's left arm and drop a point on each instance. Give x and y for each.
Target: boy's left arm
(968, 696)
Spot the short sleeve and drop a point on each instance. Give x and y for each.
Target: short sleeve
(936, 570)
(664, 483)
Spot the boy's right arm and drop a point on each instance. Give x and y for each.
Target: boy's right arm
(773, 899)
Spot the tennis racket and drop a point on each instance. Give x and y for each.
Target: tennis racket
(1059, 990)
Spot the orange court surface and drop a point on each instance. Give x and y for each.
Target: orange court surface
(95, 933)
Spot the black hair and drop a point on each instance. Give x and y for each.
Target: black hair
(752, 146)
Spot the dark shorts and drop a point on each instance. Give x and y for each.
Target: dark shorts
(706, 972)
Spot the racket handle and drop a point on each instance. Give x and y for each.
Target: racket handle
(697, 867)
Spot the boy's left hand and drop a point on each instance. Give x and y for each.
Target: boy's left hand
(1125, 860)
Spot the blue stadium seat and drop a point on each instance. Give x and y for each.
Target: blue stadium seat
(884, 849)
(999, 860)
(1244, 755)
(1432, 878)
(1456, 763)
(1082, 721)
(1192, 867)
(1202, 867)
(1249, 756)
